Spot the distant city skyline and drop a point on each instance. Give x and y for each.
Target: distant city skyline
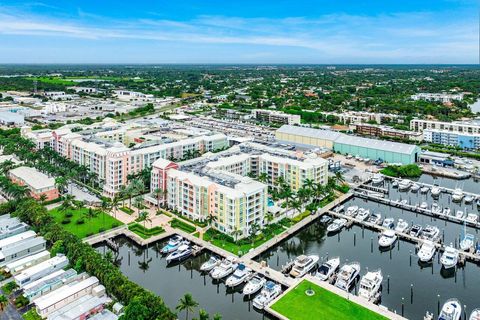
(277, 32)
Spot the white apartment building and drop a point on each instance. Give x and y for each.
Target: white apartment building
(360, 116)
(471, 127)
(273, 116)
(441, 97)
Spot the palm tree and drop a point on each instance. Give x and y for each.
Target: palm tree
(296, 205)
(253, 231)
(42, 198)
(67, 203)
(114, 206)
(340, 178)
(90, 214)
(211, 219)
(263, 177)
(159, 194)
(217, 316)
(61, 183)
(143, 216)
(187, 303)
(3, 302)
(269, 217)
(203, 315)
(235, 233)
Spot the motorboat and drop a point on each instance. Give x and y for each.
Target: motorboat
(336, 225)
(451, 310)
(475, 315)
(436, 209)
(395, 184)
(183, 252)
(325, 219)
(424, 189)
(472, 218)
(467, 242)
(424, 205)
(210, 264)
(477, 250)
(172, 244)
(387, 239)
(339, 209)
(347, 275)
(415, 187)
(449, 257)
(240, 275)
(226, 267)
(436, 190)
(403, 202)
(389, 223)
(457, 195)
(402, 226)
(328, 268)
(375, 218)
(468, 199)
(478, 202)
(351, 211)
(371, 285)
(363, 214)
(404, 184)
(269, 292)
(378, 178)
(415, 230)
(254, 285)
(446, 211)
(303, 264)
(459, 214)
(431, 233)
(427, 251)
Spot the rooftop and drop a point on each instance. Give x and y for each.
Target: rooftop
(309, 132)
(33, 177)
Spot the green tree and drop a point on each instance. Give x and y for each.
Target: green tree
(187, 304)
(4, 302)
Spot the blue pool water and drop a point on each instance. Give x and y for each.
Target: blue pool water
(270, 202)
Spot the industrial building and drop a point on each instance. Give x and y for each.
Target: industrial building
(11, 119)
(306, 137)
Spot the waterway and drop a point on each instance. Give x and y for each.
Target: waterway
(468, 185)
(147, 268)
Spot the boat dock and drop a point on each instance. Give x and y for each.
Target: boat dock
(444, 189)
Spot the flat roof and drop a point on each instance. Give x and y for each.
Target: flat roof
(34, 178)
(309, 132)
(55, 262)
(5, 243)
(26, 260)
(383, 145)
(22, 245)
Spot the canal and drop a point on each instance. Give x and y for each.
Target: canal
(147, 268)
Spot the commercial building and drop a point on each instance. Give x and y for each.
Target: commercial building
(272, 116)
(37, 182)
(468, 141)
(306, 137)
(11, 119)
(385, 131)
(40, 270)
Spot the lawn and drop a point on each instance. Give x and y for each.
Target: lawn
(296, 305)
(145, 233)
(82, 226)
(175, 223)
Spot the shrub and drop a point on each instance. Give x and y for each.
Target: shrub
(81, 221)
(68, 215)
(175, 223)
(102, 229)
(66, 221)
(301, 216)
(405, 171)
(115, 224)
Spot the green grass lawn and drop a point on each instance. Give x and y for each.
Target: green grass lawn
(175, 223)
(143, 232)
(296, 305)
(99, 223)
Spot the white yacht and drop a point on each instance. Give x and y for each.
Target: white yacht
(415, 187)
(254, 285)
(451, 310)
(370, 285)
(226, 267)
(269, 292)
(459, 214)
(183, 252)
(427, 251)
(328, 269)
(415, 230)
(395, 184)
(402, 226)
(351, 211)
(436, 190)
(424, 189)
(472, 218)
(436, 209)
(387, 239)
(336, 225)
(240, 275)
(449, 257)
(467, 241)
(375, 218)
(303, 264)
(457, 195)
(468, 199)
(424, 205)
(347, 275)
(210, 264)
(475, 315)
(378, 178)
(446, 211)
(173, 244)
(363, 214)
(389, 223)
(431, 233)
(404, 184)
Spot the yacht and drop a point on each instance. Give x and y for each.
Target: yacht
(371, 285)
(468, 199)
(336, 225)
(210, 264)
(254, 285)
(472, 218)
(436, 209)
(449, 257)
(424, 189)
(347, 275)
(415, 187)
(226, 267)
(415, 230)
(451, 310)
(325, 219)
(436, 191)
(404, 184)
(478, 202)
(459, 214)
(240, 275)
(427, 251)
(328, 269)
(431, 233)
(378, 178)
(475, 315)
(351, 211)
(424, 205)
(363, 214)
(387, 239)
(303, 264)
(183, 252)
(269, 292)
(457, 195)
(402, 226)
(375, 218)
(395, 184)
(172, 244)
(339, 209)
(467, 240)
(446, 211)
(389, 223)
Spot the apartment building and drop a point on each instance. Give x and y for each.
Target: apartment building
(441, 97)
(360, 116)
(385, 131)
(469, 127)
(455, 139)
(273, 116)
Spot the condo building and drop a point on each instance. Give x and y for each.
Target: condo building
(272, 116)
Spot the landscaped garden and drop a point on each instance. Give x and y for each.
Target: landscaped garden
(175, 223)
(323, 304)
(145, 233)
(84, 222)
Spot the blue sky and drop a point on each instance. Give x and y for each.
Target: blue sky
(262, 31)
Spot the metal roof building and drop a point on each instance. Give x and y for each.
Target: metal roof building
(306, 137)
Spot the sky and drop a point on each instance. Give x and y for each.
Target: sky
(246, 31)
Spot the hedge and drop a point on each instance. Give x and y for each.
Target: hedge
(175, 223)
(145, 233)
